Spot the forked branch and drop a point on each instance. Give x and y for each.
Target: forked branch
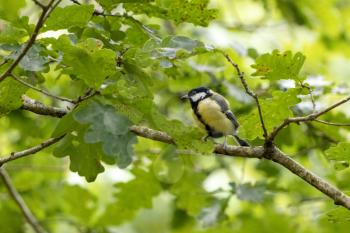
(310, 117)
(273, 154)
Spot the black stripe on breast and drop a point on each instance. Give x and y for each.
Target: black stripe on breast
(209, 130)
(194, 106)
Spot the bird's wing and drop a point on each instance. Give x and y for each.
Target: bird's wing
(233, 119)
(225, 108)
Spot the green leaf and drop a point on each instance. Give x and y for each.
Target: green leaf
(276, 66)
(211, 215)
(33, 59)
(168, 50)
(65, 125)
(110, 128)
(11, 93)
(10, 34)
(190, 195)
(194, 11)
(250, 192)
(11, 219)
(87, 203)
(169, 166)
(181, 42)
(281, 100)
(110, 4)
(84, 158)
(132, 196)
(339, 153)
(69, 16)
(339, 214)
(9, 9)
(87, 60)
(179, 11)
(250, 124)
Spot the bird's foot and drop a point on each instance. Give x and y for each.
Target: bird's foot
(224, 145)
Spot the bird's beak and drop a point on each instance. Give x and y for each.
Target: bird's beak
(184, 97)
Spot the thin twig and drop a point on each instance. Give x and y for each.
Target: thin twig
(52, 9)
(41, 90)
(29, 151)
(88, 94)
(31, 41)
(311, 95)
(31, 219)
(42, 6)
(332, 123)
(41, 109)
(249, 92)
(310, 117)
(4, 62)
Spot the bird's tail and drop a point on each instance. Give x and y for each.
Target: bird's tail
(240, 141)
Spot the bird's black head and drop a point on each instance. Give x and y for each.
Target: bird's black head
(197, 94)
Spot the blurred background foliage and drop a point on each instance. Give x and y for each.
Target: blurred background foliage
(165, 48)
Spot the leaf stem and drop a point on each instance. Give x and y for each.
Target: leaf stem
(41, 90)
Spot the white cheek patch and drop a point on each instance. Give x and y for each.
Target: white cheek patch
(198, 96)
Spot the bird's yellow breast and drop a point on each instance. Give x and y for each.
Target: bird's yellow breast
(212, 115)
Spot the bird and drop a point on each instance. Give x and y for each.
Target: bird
(213, 113)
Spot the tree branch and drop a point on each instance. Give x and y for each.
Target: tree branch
(29, 151)
(42, 6)
(41, 109)
(249, 92)
(31, 41)
(332, 123)
(311, 95)
(310, 117)
(41, 90)
(31, 219)
(259, 152)
(331, 191)
(270, 153)
(4, 62)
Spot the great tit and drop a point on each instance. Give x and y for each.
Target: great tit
(213, 113)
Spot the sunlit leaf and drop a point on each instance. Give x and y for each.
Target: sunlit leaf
(69, 16)
(131, 197)
(11, 93)
(190, 194)
(339, 153)
(9, 9)
(84, 157)
(279, 65)
(88, 60)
